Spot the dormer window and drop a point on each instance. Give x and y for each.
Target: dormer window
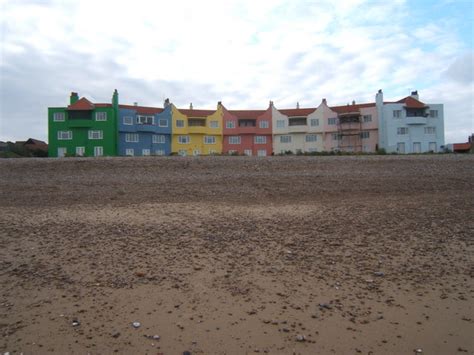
(145, 120)
(297, 121)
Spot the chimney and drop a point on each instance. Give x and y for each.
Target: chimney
(135, 104)
(115, 99)
(191, 106)
(73, 98)
(270, 103)
(353, 102)
(297, 105)
(414, 94)
(219, 104)
(379, 98)
(166, 103)
(324, 102)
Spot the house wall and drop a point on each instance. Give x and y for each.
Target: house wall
(80, 135)
(145, 132)
(196, 134)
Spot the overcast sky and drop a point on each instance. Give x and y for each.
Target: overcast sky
(241, 52)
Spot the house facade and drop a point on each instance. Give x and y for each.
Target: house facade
(409, 125)
(247, 132)
(144, 130)
(83, 128)
(196, 132)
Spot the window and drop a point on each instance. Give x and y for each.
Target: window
(365, 134)
(163, 122)
(101, 116)
(397, 113)
(261, 153)
(209, 140)
(260, 140)
(280, 123)
(367, 118)
(248, 152)
(159, 152)
(434, 113)
(64, 135)
(402, 130)
(230, 124)
(129, 152)
(336, 137)
(285, 139)
(127, 120)
(182, 152)
(145, 120)
(80, 151)
(332, 121)
(212, 152)
(58, 117)
(145, 152)
(311, 138)
(131, 137)
(214, 124)
(96, 134)
(314, 122)
(232, 152)
(179, 123)
(430, 130)
(62, 152)
(234, 140)
(183, 139)
(263, 124)
(98, 151)
(196, 152)
(158, 139)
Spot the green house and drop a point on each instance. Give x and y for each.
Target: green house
(83, 128)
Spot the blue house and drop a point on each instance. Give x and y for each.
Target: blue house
(144, 130)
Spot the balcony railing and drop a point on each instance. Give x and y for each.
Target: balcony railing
(416, 120)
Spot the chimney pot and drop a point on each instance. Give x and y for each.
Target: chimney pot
(135, 104)
(325, 102)
(353, 102)
(191, 106)
(297, 105)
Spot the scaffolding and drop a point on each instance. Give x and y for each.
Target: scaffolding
(349, 129)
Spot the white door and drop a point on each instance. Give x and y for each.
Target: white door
(145, 152)
(248, 152)
(182, 152)
(196, 152)
(98, 151)
(401, 148)
(129, 152)
(416, 147)
(62, 152)
(432, 147)
(80, 151)
(262, 153)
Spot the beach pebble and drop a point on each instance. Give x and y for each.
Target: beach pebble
(115, 334)
(300, 337)
(136, 324)
(75, 323)
(379, 273)
(418, 351)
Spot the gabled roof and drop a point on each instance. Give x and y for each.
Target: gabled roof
(351, 108)
(35, 141)
(411, 102)
(196, 113)
(247, 114)
(143, 109)
(296, 112)
(81, 105)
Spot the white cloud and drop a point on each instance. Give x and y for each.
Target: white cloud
(242, 52)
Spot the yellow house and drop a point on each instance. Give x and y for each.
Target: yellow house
(196, 132)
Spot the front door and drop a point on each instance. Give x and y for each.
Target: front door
(416, 147)
(80, 151)
(432, 147)
(62, 152)
(401, 148)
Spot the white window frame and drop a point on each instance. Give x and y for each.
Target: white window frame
(182, 152)
(128, 120)
(95, 134)
(313, 122)
(285, 139)
(367, 118)
(98, 151)
(365, 134)
(213, 124)
(397, 113)
(146, 152)
(336, 136)
(129, 152)
(332, 121)
(209, 139)
(160, 152)
(179, 123)
(309, 138)
(434, 113)
(196, 152)
(260, 140)
(234, 140)
(232, 151)
(80, 151)
(430, 130)
(101, 116)
(261, 153)
(230, 124)
(158, 139)
(63, 151)
(248, 152)
(264, 124)
(280, 124)
(64, 135)
(401, 131)
(144, 120)
(132, 137)
(184, 140)
(59, 117)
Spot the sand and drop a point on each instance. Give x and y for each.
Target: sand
(237, 255)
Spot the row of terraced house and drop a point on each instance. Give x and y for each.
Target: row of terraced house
(84, 128)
